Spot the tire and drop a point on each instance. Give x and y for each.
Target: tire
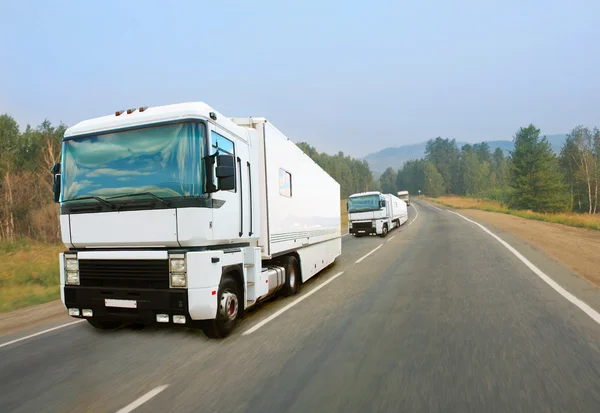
(228, 311)
(103, 325)
(292, 277)
(384, 231)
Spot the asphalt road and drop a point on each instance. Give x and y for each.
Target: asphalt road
(440, 318)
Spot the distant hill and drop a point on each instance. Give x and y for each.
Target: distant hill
(396, 157)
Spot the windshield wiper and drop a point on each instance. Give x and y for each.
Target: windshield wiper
(97, 198)
(150, 194)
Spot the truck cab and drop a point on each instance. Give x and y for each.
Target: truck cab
(367, 214)
(405, 196)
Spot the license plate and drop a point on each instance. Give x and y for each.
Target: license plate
(109, 302)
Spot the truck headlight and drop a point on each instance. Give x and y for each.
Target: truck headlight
(72, 278)
(177, 265)
(177, 271)
(349, 224)
(71, 270)
(373, 224)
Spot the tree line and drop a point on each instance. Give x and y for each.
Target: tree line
(352, 174)
(532, 177)
(26, 203)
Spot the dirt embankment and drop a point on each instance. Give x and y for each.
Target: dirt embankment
(578, 249)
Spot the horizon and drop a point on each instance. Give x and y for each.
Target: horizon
(360, 76)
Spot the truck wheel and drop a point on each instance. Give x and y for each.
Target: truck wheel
(103, 325)
(228, 311)
(384, 231)
(292, 276)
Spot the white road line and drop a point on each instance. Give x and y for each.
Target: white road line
(574, 300)
(366, 255)
(416, 216)
(137, 403)
(40, 333)
(347, 233)
(390, 238)
(433, 206)
(290, 305)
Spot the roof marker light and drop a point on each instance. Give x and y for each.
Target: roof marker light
(130, 111)
(143, 108)
(119, 112)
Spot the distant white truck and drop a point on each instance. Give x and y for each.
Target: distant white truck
(180, 215)
(405, 196)
(375, 213)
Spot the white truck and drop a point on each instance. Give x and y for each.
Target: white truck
(375, 213)
(179, 215)
(405, 196)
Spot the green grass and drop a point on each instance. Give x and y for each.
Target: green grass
(573, 220)
(28, 274)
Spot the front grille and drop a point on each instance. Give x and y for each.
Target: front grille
(152, 274)
(362, 225)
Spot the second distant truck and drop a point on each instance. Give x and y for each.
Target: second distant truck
(375, 213)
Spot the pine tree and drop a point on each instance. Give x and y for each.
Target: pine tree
(535, 175)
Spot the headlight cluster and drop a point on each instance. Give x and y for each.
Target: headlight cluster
(350, 224)
(373, 224)
(177, 271)
(71, 269)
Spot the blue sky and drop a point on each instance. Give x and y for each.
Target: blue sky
(341, 75)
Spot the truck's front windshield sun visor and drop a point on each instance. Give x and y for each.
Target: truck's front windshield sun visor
(163, 161)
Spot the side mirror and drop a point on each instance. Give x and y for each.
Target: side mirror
(209, 164)
(55, 171)
(226, 172)
(382, 204)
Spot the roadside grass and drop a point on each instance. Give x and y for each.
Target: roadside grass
(344, 211)
(573, 220)
(28, 274)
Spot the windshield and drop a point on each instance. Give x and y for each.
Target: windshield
(404, 197)
(363, 203)
(164, 160)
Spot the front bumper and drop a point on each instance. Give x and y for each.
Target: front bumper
(363, 231)
(149, 303)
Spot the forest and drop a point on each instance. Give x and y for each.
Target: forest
(531, 177)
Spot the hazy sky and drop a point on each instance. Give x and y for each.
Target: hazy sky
(355, 76)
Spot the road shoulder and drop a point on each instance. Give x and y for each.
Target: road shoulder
(27, 318)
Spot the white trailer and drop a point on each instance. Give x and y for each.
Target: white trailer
(179, 215)
(375, 213)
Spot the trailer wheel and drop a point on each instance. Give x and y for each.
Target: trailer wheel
(292, 276)
(103, 325)
(228, 311)
(384, 231)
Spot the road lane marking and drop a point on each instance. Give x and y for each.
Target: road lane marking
(391, 238)
(366, 255)
(416, 216)
(290, 305)
(137, 403)
(347, 233)
(40, 333)
(559, 289)
(433, 206)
